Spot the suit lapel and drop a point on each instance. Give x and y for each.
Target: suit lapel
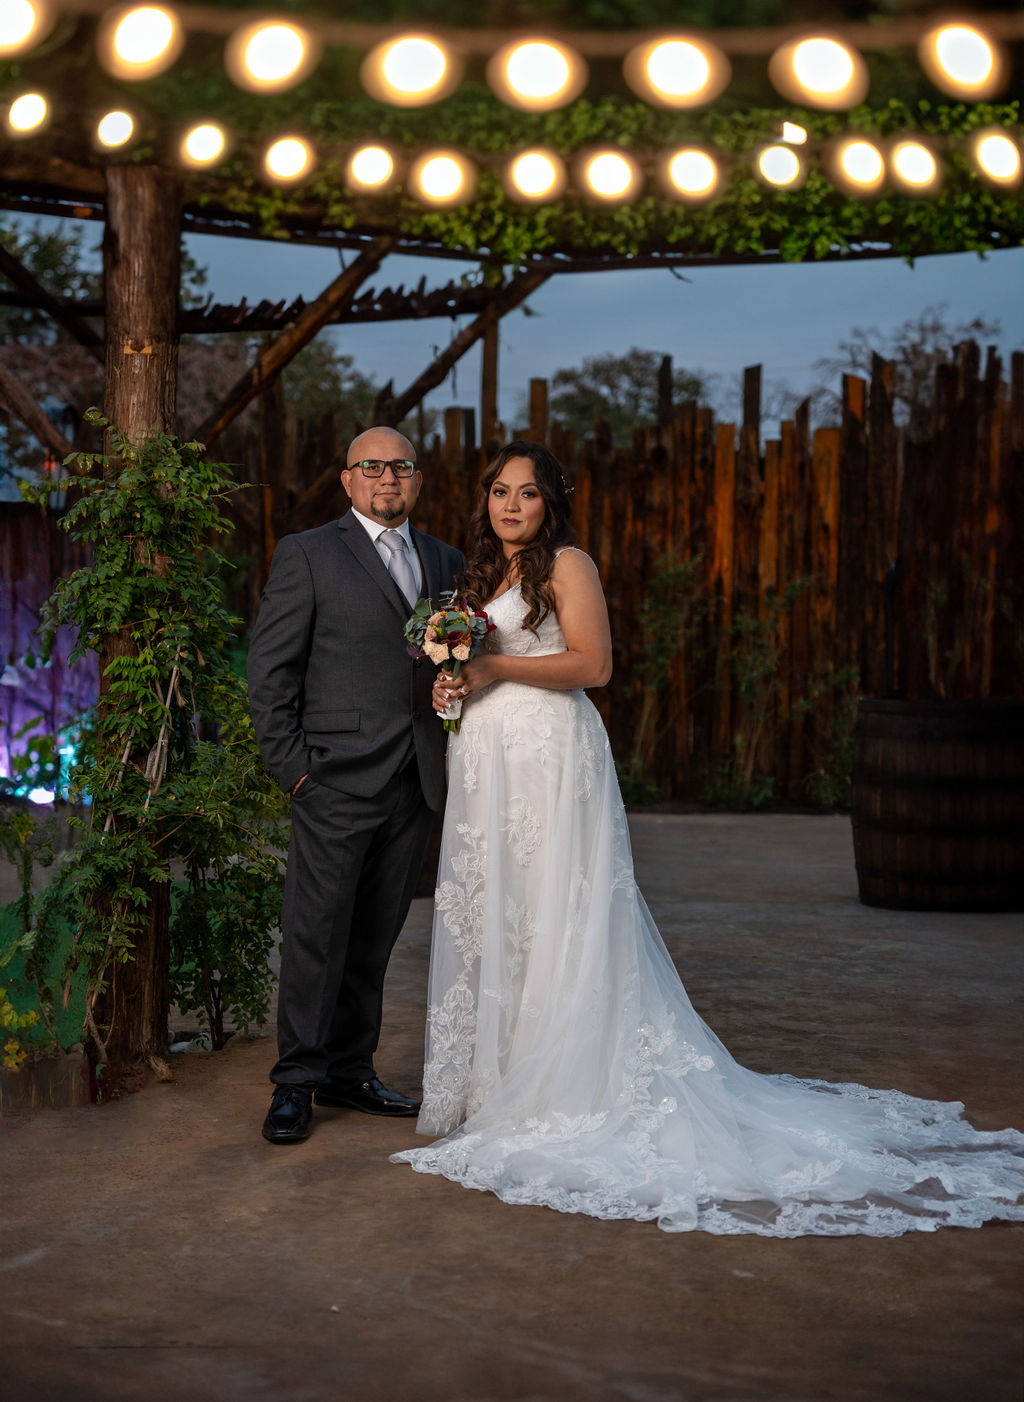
(356, 538)
(430, 559)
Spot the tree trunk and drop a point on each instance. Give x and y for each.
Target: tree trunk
(141, 258)
(141, 262)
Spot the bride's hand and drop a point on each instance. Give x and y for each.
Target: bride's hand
(473, 677)
(441, 698)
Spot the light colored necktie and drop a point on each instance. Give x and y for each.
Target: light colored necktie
(399, 567)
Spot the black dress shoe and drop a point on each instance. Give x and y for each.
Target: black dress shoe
(370, 1097)
(291, 1110)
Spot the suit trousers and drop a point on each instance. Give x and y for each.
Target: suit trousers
(353, 864)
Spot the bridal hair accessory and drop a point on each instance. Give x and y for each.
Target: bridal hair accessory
(449, 636)
(567, 487)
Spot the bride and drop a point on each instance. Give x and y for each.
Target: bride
(565, 1064)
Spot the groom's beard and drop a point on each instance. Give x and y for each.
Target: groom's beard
(387, 513)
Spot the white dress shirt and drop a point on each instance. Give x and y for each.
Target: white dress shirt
(375, 529)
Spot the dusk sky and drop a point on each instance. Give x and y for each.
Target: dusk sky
(717, 321)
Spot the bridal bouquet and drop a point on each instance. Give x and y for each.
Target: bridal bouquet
(449, 636)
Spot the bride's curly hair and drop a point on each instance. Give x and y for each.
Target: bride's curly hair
(486, 565)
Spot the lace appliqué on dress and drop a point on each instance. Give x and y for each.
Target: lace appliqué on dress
(523, 828)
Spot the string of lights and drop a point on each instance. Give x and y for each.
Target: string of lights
(909, 163)
(966, 59)
(540, 73)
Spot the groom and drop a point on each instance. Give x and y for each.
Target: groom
(344, 721)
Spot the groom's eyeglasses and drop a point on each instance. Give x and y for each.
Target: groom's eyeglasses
(373, 467)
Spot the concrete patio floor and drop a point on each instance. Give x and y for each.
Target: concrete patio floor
(158, 1249)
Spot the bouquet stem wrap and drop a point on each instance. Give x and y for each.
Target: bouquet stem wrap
(452, 717)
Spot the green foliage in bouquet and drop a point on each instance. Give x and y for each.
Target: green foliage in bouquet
(448, 635)
(171, 767)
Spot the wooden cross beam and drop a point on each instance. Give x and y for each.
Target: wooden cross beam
(509, 297)
(19, 275)
(17, 400)
(273, 358)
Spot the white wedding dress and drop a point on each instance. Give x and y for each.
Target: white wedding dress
(565, 1065)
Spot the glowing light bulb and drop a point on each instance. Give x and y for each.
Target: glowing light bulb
(441, 178)
(535, 174)
(137, 44)
(27, 112)
(115, 129)
(270, 55)
(414, 66)
(998, 157)
(793, 134)
(779, 165)
(693, 172)
(610, 175)
(677, 71)
(371, 166)
(21, 26)
(963, 61)
(537, 70)
(914, 164)
(862, 163)
(964, 55)
(822, 66)
(410, 71)
(819, 70)
(677, 68)
(288, 158)
(203, 144)
(143, 35)
(274, 53)
(536, 74)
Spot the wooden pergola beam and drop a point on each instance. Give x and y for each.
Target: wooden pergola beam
(273, 358)
(17, 400)
(383, 304)
(511, 296)
(16, 272)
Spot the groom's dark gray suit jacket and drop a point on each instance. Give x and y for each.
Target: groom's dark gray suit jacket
(332, 690)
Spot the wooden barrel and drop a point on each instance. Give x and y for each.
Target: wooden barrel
(938, 804)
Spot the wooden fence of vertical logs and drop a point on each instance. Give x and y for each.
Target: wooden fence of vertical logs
(747, 571)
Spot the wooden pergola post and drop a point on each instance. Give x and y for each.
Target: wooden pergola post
(489, 431)
(141, 264)
(141, 259)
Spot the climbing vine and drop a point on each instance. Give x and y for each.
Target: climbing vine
(170, 767)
